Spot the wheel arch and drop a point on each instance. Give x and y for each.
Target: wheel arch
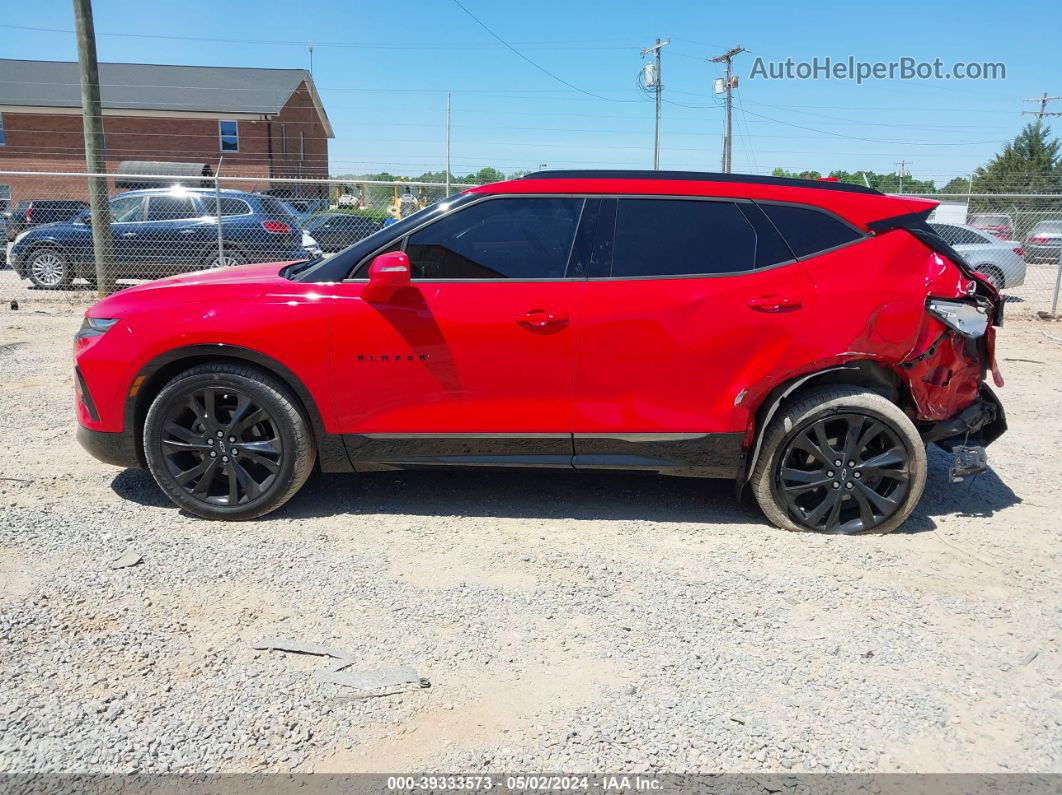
(873, 376)
(332, 455)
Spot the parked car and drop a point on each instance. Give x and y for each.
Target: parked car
(1044, 241)
(336, 231)
(999, 225)
(162, 231)
(788, 335)
(1000, 260)
(36, 212)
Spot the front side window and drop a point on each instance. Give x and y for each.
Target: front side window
(229, 133)
(170, 208)
(519, 238)
(126, 208)
(809, 231)
(679, 237)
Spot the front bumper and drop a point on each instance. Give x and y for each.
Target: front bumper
(118, 448)
(982, 422)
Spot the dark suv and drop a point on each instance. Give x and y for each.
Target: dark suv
(162, 232)
(37, 212)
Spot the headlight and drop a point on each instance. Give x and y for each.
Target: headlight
(967, 318)
(94, 327)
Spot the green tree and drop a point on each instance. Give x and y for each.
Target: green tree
(1028, 164)
(957, 185)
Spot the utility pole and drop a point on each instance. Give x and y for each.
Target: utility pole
(448, 99)
(95, 157)
(730, 83)
(653, 83)
(1043, 100)
(901, 169)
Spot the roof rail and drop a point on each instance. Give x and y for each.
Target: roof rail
(700, 176)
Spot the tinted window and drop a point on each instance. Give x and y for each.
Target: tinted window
(957, 235)
(808, 231)
(126, 208)
(676, 237)
(274, 206)
(170, 208)
(498, 239)
(228, 206)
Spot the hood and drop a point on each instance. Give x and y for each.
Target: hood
(239, 280)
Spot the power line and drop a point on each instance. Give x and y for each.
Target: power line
(539, 67)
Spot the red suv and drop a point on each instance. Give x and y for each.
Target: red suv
(805, 338)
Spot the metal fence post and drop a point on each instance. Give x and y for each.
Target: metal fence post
(1058, 283)
(217, 210)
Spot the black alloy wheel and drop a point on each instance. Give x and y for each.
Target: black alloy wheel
(221, 446)
(844, 473)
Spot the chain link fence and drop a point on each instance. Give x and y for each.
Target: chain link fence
(163, 225)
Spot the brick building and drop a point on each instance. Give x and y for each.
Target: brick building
(259, 123)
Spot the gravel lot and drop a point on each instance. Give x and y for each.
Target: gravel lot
(565, 622)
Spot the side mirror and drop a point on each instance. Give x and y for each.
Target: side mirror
(387, 273)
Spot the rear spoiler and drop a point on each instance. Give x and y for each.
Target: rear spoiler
(917, 225)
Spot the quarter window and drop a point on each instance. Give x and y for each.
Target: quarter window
(524, 238)
(229, 133)
(170, 208)
(679, 237)
(809, 231)
(230, 207)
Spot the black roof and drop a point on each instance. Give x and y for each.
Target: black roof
(700, 176)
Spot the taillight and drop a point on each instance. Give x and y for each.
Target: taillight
(29, 213)
(1019, 251)
(1038, 239)
(276, 227)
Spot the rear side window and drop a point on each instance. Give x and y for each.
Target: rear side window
(273, 206)
(228, 206)
(678, 237)
(809, 231)
(956, 235)
(520, 238)
(170, 208)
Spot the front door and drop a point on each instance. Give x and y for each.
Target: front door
(474, 362)
(176, 235)
(697, 299)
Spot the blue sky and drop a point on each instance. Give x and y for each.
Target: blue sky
(383, 70)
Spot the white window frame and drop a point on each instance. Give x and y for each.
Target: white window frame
(302, 146)
(222, 136)
(3, 137)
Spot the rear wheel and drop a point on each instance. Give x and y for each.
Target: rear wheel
(49, 269)
(840, 460)
(227, 441)
(993, 274)
(226, 259)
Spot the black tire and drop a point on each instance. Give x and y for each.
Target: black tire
(48, 268)
(177, 442)
(233, 256)
(794, 480)
(994, 274)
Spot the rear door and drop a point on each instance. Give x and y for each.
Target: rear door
(690, 300)
(174, 235)
(474, 363)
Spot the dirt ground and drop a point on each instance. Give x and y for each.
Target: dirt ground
(565, 621)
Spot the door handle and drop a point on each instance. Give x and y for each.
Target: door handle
(128, 234)
(775, 303)
(187, 231)
(540, 319)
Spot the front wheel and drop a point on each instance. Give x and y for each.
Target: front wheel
(227, 259)
(49, 269)
(840, 459)
(993, 274)
(227, 441)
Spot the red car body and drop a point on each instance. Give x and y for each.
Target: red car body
(674, 374)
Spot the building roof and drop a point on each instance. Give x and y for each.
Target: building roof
(156, 87)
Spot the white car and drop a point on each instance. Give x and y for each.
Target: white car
(1000, 260)
(309, 245)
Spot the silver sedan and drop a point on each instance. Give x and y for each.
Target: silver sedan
(1000, 260)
